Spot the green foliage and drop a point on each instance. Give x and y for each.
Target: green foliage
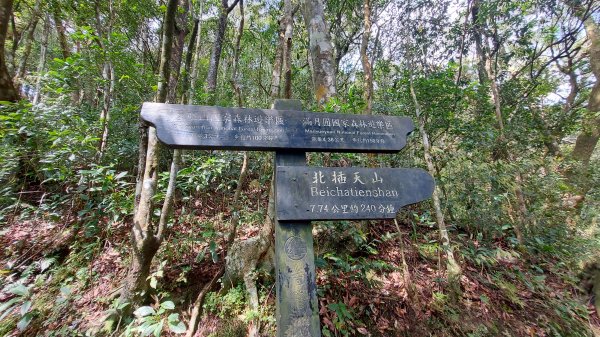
(151, 320)
(341, 321)
(106, 195)
(230, 304)
(22, 302)
(211, 172)
(53, 172)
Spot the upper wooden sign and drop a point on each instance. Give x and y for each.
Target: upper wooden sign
(208, 127)
(346, 193)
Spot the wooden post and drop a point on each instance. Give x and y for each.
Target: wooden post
(297, 306)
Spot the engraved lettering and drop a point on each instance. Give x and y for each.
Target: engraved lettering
(295, 248)
(357, 178)
(318, 178)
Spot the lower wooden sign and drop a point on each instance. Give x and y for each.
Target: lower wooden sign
(348, 193)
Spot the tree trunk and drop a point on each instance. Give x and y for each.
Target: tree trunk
(452, 265)
(165, 54)
(16, 39)
(215, 56)
(181, 30)
(487, 75)
(588, 138)
(42, 64)
(288, 22)
(60, 30)
(477, 36)
(108, 74)
(7, 88)
(147, 236)
(503, 153)
(109, 88)
(366, 64)
(197, 53)
(277, 63)
(320, 50)
(236, 58)
(29, 41)
(185, 85)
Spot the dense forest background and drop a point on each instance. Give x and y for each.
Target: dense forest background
(105, 232)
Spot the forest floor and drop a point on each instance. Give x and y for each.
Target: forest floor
(364, 287)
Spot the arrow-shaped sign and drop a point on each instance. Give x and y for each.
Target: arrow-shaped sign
(209, 127)
(331, 193)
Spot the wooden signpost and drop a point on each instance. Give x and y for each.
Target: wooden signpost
(209, 127)
(302, 193)
(350, 193)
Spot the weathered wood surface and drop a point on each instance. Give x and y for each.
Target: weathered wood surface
(205, 127)
(297, 311)
(331, 193)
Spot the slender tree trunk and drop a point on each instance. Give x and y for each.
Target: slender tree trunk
(249, 281)
(185, 85)
(146, 235)
(452, 265)
(366, 64)
(504, 153)
(16, 37)
(181, 30)
(108, 74)
(278, 61)
(487, 75)
(109, 88)
(320, 50)
(147, 56)
(61, 30)
(7, 88)
(197, 54)
(288, 21)
(588, 138)
(29, 41)
(215, 56)
(477, 36)
(236, 58)
(42, 64)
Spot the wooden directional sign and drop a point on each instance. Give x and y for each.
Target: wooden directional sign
(206, 127)
(331, 193)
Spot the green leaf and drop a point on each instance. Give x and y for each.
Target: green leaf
(66, 291)
(177, 328)
(25, 307)
(153, 282)
(173, 318)
(20, 290)
(158, 328)
(121, 306)
(144, 311)
(149, 330)
(168, 305)
(46, 263)
(8, 311)
(5, 305)
(24, 322)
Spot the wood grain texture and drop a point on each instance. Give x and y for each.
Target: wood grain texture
(204, 127)
(350, 193)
